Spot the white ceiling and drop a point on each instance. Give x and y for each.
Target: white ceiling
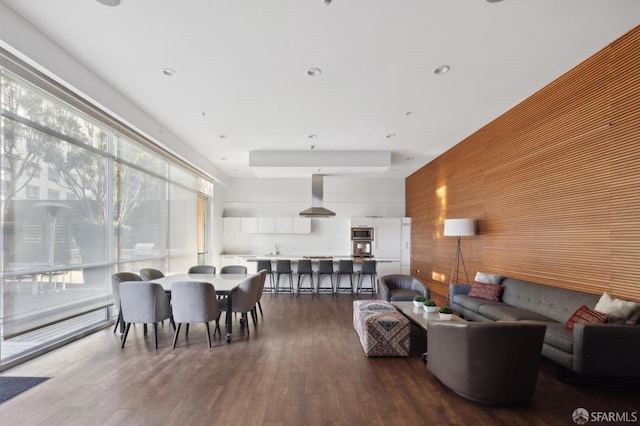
(242, 82)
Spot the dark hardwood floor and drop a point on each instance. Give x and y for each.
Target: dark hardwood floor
(302, 365)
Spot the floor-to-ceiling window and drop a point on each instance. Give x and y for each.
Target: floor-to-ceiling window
(79, 200)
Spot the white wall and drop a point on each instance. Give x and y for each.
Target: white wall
(346, 196)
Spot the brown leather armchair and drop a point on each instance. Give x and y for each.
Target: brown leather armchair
(398, 287)
(491, 363)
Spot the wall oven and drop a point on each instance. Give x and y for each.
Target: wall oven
(362, 234)
(361, 248)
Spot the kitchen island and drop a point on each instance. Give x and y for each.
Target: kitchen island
(385, 266)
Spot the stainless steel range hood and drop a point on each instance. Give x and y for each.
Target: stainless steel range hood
(317, 210)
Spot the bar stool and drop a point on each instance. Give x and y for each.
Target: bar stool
(325, 267)
(266, 265)
(304, 268)
(345, 267)
(368, 268)
(283, 267)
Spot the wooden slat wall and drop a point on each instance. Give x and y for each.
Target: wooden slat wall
(554, 185)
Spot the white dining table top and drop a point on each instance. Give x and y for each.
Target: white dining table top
(222, 282)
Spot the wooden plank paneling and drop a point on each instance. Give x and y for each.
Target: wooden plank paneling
(554, 185)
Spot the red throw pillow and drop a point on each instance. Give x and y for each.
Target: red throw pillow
(491, 292)
(584, 315)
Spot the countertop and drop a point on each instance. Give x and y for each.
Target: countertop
(296, 257)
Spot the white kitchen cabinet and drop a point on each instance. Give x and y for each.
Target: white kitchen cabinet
(387, 237)
(249, 225)
(361, 222)
(301, 225)
(232, 224)
(388, 267)
(266, 225)
(230, 259)
(406, 244)
(226, 259)
(284, 225)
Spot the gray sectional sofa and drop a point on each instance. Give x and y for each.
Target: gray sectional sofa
(590, 349)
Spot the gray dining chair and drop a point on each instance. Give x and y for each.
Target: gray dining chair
(144, 303)
(116, 280)
(202, 269)
(150, 274)
(263, 279)
(233, 269)
(194, 302)
(244, 300)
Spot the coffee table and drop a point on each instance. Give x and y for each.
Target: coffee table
(420, 317)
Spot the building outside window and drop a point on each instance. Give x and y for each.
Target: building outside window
(33, 192)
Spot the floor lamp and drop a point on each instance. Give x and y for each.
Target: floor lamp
(458, 228)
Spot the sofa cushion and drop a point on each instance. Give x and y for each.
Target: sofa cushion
(472, 303)
(485, 291)
(504, 312)
(618, 310)
(585, 315)
(553, 302)
(559, 337)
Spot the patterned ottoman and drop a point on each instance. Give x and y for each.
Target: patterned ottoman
(383, 331)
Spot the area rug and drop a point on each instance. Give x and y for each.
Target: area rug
(12, 386)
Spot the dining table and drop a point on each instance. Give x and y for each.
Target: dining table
(225, 284)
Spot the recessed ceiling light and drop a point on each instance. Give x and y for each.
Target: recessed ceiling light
(442, 69)
(409, 158)
(314, 72)
(391, 135)
(312, 136)
(223, 136)
(223, 158)
(110, 3)
(408, 113)
(168, 72)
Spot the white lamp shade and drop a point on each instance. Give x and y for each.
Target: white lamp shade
(458, 227)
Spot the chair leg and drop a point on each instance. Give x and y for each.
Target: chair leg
(155, 333)
(217, 327)
(254, 316)
(126, 333)
(118, 321)
(175, 336)
(186, 330)
(144, 327)
(208, 333)
(246, 321)
(260, 306)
